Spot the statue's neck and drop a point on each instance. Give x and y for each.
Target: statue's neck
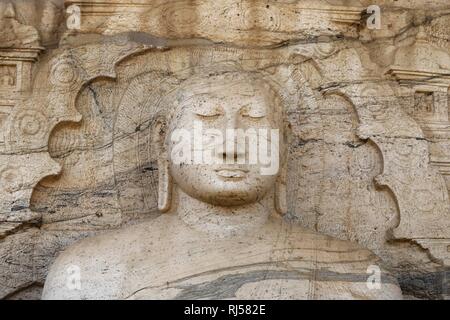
(221, 221)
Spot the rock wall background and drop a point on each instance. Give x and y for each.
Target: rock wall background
(369, 156)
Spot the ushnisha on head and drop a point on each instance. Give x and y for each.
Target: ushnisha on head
(223, 142)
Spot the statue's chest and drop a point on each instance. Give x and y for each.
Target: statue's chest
(223, 272)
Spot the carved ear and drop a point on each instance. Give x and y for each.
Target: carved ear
(281, 191)
(280, 184)
(164, 179)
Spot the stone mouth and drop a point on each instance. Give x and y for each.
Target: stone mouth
(232, 173)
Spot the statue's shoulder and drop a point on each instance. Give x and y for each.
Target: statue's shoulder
(326, 246)
(92, 268)
(345, 268)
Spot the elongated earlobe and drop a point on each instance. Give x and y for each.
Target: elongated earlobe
(280, 184)
(164, 186)
(281, 193)
(164, 177)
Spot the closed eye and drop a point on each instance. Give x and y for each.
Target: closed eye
(209, 112)
(208, 115)
(253, 112)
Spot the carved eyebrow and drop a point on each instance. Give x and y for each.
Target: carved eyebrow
(208, 111)
(253, 111)
(192, 97)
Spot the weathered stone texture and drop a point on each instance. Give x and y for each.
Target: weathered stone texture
(368, 112)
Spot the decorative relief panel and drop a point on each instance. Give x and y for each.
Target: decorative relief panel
(422, 67)
(259, 23)
(8, 76)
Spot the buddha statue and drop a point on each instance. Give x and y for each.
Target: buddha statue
(222, 234)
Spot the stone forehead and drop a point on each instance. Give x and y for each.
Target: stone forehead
(208, 83)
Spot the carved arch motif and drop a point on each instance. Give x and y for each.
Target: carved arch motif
(32, 121)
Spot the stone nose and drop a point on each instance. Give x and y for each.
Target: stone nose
(232, 121)
(232, 148)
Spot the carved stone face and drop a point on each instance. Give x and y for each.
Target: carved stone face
(216, 106)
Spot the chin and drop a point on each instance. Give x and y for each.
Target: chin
(224, 190)
(235, 194)
(229, 201)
